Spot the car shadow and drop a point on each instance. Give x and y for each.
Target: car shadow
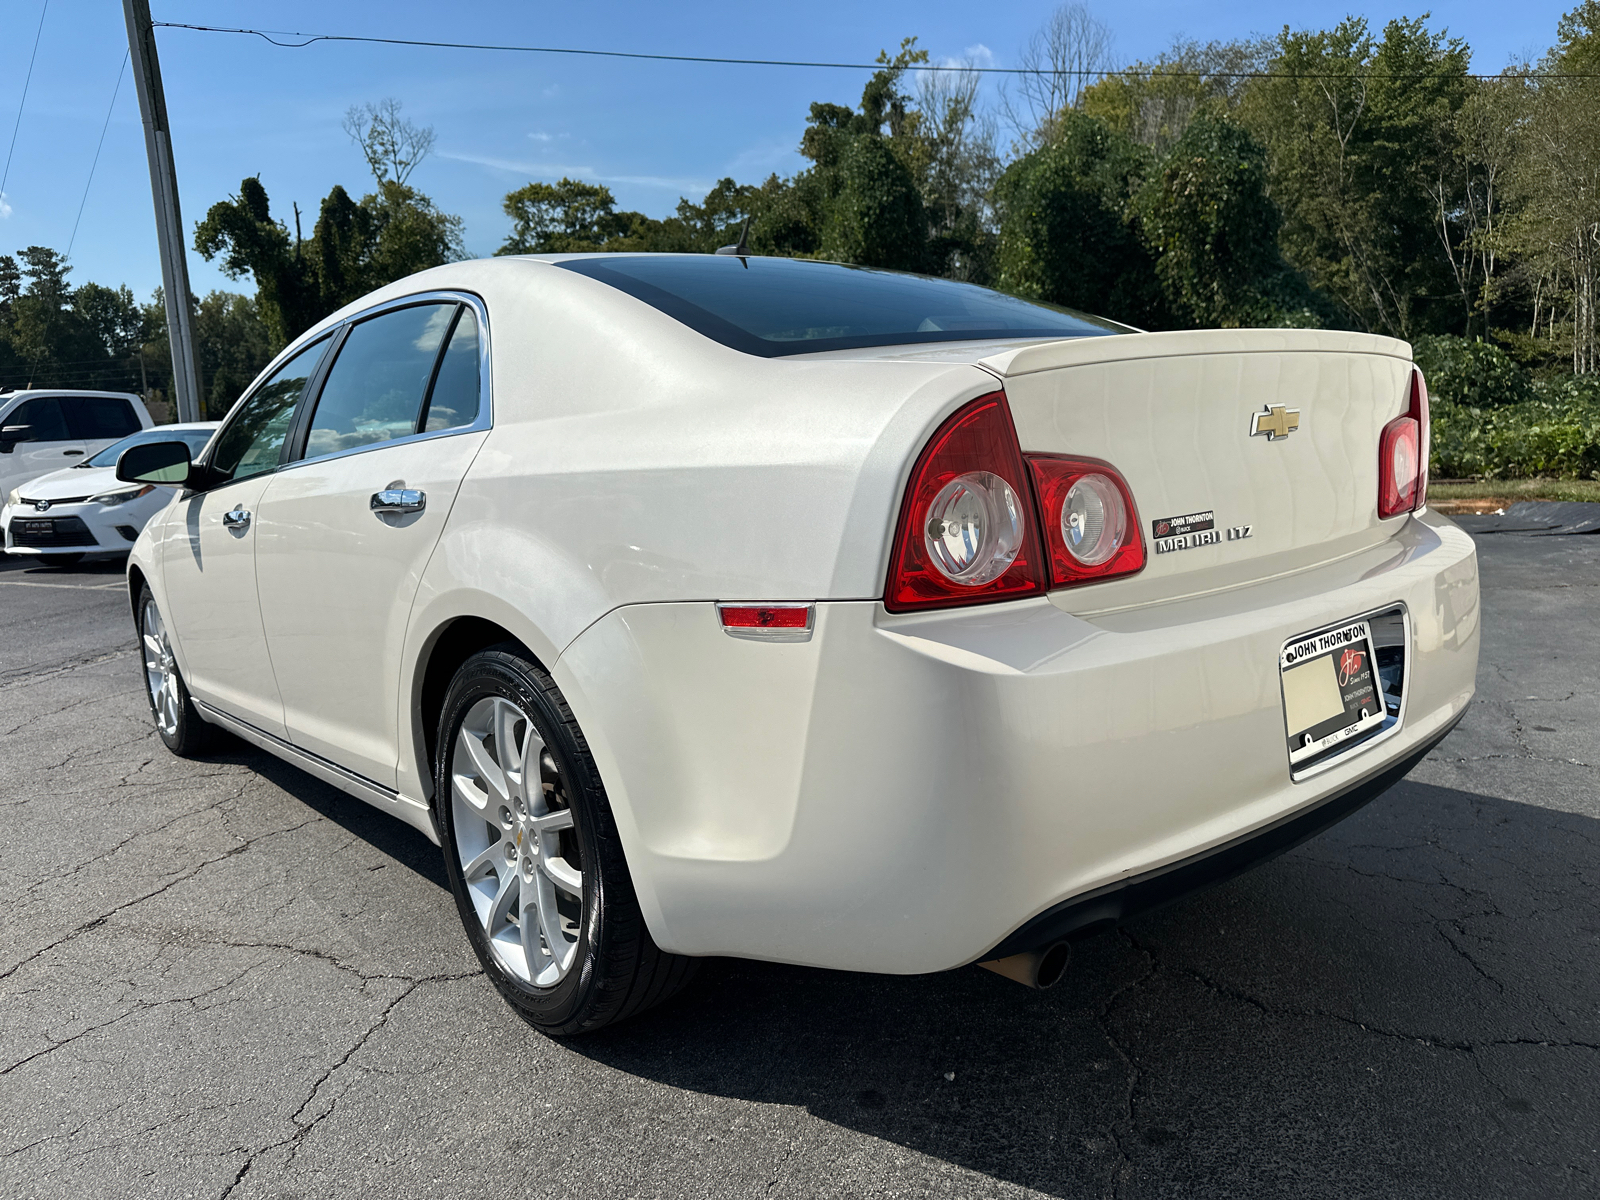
(1367, 989)
(407, 846)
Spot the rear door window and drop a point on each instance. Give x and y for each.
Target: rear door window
(99, 418)
(454, 398)
(375, 390)
(252, 441)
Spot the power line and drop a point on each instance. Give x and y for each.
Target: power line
(109, 108)
(307, 39)
(6, 174)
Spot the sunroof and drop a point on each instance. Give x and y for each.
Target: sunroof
(777, 306)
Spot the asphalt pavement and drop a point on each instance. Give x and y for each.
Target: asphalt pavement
(223, 978)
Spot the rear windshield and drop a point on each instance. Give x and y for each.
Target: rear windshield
(777, 306)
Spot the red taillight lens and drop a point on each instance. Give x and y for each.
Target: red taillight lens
(967, 528)
(1403, 456)
(764, 616)
(1091, 526)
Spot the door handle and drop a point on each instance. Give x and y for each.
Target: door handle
(399, 500)
(239, 518)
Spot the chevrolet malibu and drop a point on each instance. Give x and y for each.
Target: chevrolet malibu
(726, 605)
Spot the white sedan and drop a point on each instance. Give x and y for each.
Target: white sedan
(721, 605)
(84, 511)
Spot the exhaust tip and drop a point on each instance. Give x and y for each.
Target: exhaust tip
(1034, 968)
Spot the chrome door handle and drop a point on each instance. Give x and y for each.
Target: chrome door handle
(399, 500)
(239, 518)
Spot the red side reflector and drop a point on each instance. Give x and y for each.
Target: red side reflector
(764, 616)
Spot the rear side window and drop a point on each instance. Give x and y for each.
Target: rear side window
(377, 385)
(252, 441)
(42, 416)
(95, 418)
(454, 398)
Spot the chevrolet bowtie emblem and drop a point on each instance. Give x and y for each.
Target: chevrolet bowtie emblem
(1276, 422)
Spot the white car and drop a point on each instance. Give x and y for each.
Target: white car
(43, 430)
(721, 605)
(84, 511)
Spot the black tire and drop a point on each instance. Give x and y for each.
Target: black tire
(60, 560)
(190, 734)
(617, 970)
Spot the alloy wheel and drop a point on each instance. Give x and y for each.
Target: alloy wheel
(160, 670)
(516, 843)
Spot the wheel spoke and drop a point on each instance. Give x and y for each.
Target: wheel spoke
(500, 911)
(552, 822)
(561, 873)
(550, 923)
(532, 920)
(494, 779)
(153, 652)
(480, 864)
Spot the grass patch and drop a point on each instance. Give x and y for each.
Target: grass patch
(1487, 495)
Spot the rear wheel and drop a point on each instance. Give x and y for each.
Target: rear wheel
(533, 854)
(60, 560)
(182, 729)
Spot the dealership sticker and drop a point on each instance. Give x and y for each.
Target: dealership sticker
(1185, 532)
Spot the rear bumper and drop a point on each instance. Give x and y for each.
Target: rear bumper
(907, 794)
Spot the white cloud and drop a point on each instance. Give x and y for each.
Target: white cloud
(540, 137)
(980, 55)
(5, 209)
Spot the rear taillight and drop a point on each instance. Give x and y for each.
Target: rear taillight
(1403, 456)
(967, 533)
(1091, 526)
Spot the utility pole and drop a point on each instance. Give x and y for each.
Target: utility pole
(169, 223)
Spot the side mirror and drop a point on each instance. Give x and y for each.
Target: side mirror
(10, 435)
(155, 462)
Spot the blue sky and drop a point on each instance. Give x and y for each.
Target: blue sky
(649, 131)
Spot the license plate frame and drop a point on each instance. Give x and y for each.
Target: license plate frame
(1332, 694)
(30, 527)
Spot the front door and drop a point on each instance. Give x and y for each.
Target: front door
(47, 444)
(345, 534)
(208, 554)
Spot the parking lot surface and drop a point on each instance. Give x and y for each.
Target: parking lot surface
(224, 978)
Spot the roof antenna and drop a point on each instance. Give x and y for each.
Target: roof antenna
(740, 247)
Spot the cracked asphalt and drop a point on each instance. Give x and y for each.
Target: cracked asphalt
(224, 978)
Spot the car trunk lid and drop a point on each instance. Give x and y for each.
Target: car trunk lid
(1250, 453)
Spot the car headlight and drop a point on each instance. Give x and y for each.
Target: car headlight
(15, 498)
(112, 499)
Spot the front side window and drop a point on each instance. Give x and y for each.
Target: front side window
(94, 418)
(252, 441)
(42, 416)
(376, 387)
(454, 399)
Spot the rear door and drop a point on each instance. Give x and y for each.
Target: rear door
(208, 553)
(99, 420)
(345, 532)
(46, 443)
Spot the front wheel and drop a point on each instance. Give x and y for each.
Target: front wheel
(181, 728)
(533, 854)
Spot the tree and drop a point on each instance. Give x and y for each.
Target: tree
(392, 145)
(561, 218)
(1065, 236)
(1206, 219)
(1153, 103)
(1357, 132)
(1057, 64)
(243, 232)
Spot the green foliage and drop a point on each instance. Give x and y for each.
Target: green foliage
(1491, 418)
(1065, 233)
(1361, 162)
(52, 334)
(354, 248)
(1207, 222)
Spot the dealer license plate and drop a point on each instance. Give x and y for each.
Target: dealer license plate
(33, 528)
(1330, 689)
